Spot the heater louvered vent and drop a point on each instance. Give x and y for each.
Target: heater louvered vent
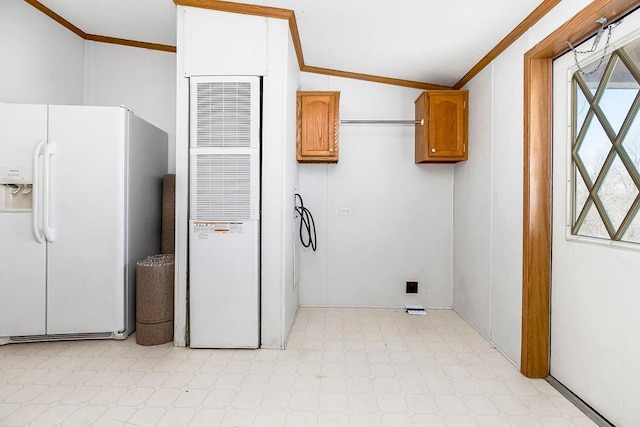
(225, 149)
(222, 187)
(223, 115)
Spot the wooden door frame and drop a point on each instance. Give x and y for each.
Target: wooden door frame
(536, 255)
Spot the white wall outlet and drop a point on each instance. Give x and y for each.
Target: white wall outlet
(345, 211)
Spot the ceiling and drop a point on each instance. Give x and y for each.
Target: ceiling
(432, 41)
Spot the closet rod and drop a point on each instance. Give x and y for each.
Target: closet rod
(388, 122)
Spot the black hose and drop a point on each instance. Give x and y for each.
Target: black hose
(307, 225)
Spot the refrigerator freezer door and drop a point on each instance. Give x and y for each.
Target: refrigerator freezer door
(22, 258)
(224, 294)
(22, 277)
(86, 291)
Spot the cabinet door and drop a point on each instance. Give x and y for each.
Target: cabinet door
(317, 139)
(447, 125)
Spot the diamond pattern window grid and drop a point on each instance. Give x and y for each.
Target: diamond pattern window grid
(606, 149)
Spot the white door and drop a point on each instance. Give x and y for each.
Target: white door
(595, 320)
(86, 150)
(22, 258)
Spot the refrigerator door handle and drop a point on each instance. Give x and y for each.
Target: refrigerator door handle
(49, 151)
(35, 212)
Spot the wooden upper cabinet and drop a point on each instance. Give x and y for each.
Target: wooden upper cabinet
(442, 135)
(317, 127)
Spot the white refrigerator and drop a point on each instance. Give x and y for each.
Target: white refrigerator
(80, 204)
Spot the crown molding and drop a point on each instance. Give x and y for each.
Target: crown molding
(59, 19)
(289, 15)
(528, 22)
(130, 43)
(97, 38)
(372, 78)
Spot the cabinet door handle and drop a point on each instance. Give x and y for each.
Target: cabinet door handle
(433, 150)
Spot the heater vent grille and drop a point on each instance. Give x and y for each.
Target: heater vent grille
(223, 189)
(223, 115)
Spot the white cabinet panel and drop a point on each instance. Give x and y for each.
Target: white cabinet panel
(222, 43)
(223, 275)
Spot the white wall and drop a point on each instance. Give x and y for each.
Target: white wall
(143, 80)
(488, 238)
(180, 331)
(279, 178)
(400, 227)
(45, 63)
(42, 62)
(472, 206)
(506, 184)
(291, 301)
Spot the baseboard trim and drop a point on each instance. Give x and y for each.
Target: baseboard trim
(594, 415)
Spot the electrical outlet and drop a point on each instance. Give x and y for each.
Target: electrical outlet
(345, 211)
(412, 287)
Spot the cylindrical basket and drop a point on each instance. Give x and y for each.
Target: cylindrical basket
(154, 300)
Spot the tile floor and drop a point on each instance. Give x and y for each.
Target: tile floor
(342, 367)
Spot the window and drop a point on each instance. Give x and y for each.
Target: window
(605, 150)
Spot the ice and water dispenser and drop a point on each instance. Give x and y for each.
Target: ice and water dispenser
(16, 188)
